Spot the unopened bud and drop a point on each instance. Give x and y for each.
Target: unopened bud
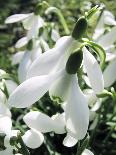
(79, 28)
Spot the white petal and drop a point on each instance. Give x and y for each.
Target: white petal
(99, 28)
(4, 110)
(38, 22)
(96, 106)
(27, 23)
(44, 45)
(59, 123)
(110, 56)
(7, 151)
(87, 152)
(16, 18)
(44, 64)
(24, 66)
(93, 71)
(109, 18)
(2, 97)
(10, 85)
(21, 42)
(55, 35)
(110, 74)
(5, 125)
(49, 60)
(110, 21)
(37, 51)
(60, 88)
(31, 90)
(77, 112)
(94, 124)
(69, 141)
(108, 39)
(33, 139)
(87, 81)
(16, 58)
(39, 121)
(91, 97)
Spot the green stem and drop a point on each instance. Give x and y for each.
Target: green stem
(61, 17)
(109, 134)
(23, 149)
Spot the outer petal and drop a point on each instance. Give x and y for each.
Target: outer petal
(48, 61)
(55, 35)
(69, 141)
(16, 58)
(59, 123)
(4, 111)
(21, 42)
(87, 152)
(108, 39)
(59, 91)
(99, 28)
(93, 71)
(39, 121)
(34, 30)
(33, 139)
(77, 112)
(11, 86)
(44, 64)
(24, 66)
(31, 90)
(110, 74)
(109, 18)
(5, 125)
(2, 97)
(27, 23)
(16, 18)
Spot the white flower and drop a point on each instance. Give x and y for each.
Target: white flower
(87, 152)
(29, 20)
(106, 18)
(41, 123)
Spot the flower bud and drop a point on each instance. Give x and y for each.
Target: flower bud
(38, 9)
(74, 62)
(79, 28)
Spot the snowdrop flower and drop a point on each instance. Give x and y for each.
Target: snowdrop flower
(62, 84)
(41, 123)
(106, 18)
(107, 42)
(31, 21)
(27, 58)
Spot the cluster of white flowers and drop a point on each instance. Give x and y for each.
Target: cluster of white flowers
(43, 69)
